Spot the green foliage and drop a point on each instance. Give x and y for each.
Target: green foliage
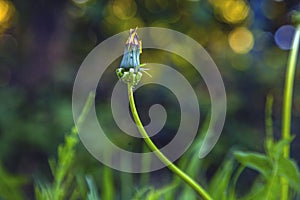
(108, 185)
(149, 193)
(272, 167)
(11, 185)
(62, 171)
(192, 164)
(219, 185)
(62, 187)
(288, 169)
(256, 161)
(92, 194)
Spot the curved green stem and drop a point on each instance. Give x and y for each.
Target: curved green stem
(158, 153)
(287, 105)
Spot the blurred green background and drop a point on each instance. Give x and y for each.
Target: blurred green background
(43, 43)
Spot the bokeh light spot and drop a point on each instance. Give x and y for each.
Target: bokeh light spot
(241, 40)
(124, 9)
(4, 8)
(6, 11)
(284, 37)
(235, 11)
(232, 11)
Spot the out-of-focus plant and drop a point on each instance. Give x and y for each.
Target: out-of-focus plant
(63, 176)
(11, 185)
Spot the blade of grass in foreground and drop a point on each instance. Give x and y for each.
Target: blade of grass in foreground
(61, 167)
(287, 104)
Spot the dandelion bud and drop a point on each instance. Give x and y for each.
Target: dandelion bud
(131, 57)
(129, 70)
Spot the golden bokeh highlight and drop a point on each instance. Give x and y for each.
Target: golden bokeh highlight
(235, 11)
(241, 40)
(231, 11)
(124, 9)
(6, 12)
